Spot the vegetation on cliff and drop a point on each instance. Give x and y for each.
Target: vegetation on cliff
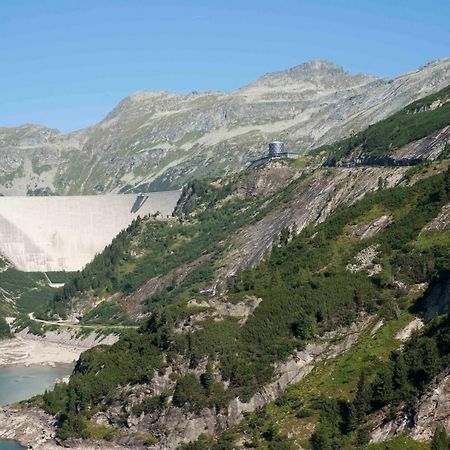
(396, 384)
(415, 121)
(5, 331)
(306, 287)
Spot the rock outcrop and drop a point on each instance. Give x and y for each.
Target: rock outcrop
(174, 426)
(433, 411)
(313, 198)
(34, 429)
(441, 221)
(367, 230)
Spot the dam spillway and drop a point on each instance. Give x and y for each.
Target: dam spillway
(40, 234)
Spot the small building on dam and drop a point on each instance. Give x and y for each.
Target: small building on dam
(276, 151)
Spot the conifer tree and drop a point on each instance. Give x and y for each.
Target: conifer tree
(361, 403)
(399, 372)
(440, 440)
(383, 389)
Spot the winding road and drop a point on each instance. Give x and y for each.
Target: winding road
(62, 323)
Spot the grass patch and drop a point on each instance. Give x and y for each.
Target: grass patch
(398, 443)
(338, 377)
(433, 238)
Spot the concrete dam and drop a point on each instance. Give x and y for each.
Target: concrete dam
(40, 234)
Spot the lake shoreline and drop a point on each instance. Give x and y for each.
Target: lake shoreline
(19, 383)
(54, 349)
(9, 443)
(33, 428)
(52, 365)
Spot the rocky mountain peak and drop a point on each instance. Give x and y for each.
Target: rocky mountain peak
(319, 73)
(163, 139)
(316, 68)
(27, 134)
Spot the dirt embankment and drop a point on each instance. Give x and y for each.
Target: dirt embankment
(54, 348)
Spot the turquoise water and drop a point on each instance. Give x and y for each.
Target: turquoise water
(10, 445)
(20, 383)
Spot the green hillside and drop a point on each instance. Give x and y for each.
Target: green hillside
(164, 246)
(25, 292)
(306, 287)
(211, 338)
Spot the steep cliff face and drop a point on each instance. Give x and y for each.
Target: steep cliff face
(433, 410)
(159, 140)
(311, 200)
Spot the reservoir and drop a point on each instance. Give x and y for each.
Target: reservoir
(10, 445)
(20, 383)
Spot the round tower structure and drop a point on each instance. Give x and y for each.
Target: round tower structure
(276, 149)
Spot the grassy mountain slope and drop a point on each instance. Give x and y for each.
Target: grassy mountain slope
(311, 283)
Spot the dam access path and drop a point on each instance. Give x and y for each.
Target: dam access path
(65, 324)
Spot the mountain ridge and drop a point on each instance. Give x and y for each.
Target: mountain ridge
(276, 308)
(292, 69)
(160, 140)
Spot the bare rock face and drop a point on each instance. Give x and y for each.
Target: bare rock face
(217, 309)
(429, 147)
(405, 333)
(364, 260)
(441, 221)
(32, 426)
(267, 180)
(34, 429)
(367, 230)
(314, 198)
(433, 411)
(175, 426)
(160, 140)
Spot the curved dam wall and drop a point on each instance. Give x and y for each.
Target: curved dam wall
(39, 234)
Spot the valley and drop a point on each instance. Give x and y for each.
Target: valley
(302, 304)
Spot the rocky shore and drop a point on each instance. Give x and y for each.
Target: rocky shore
(34, 429)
